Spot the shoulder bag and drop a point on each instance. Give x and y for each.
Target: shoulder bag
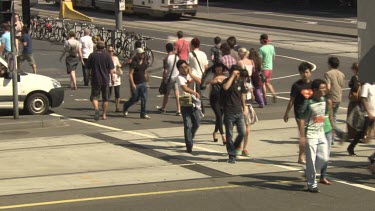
(202, 85)
(164, 85)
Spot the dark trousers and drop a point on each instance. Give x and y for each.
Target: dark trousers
(230, 120)
(198, 89)
(360, 134)
(218, 111)
(85, 72)
(140, 93)
(192, 120)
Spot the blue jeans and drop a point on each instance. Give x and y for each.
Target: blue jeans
(192, 120)
(335, 108)
(324, 168)
(229, 121)
(140, 92)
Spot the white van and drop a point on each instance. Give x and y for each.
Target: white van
(36, 93)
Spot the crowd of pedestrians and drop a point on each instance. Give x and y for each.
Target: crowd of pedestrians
(235, 78)
(22, 38)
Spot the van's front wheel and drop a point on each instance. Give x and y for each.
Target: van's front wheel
(37, 104)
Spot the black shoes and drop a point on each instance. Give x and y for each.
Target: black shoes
(350, 150)
(189, 149)
(371, 159)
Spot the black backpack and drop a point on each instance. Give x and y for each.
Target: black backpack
(217, 54)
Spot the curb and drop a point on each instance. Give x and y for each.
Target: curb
(276, 27)
(7, 123)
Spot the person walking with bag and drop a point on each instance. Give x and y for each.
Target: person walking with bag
(216, 99)
(368, 103)
(117, 79)
(170, 74)
(72, 57)
(354, 97)
(190, 102)
(198, 61)
(256, 79)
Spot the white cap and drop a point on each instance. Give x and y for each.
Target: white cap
(139, 50)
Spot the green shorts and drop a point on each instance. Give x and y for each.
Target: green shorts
(28, 57)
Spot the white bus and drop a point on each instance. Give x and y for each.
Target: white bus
(155, 8)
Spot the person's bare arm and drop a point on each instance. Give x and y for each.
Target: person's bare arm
(131, 79)
(290, 106)
(195, 78)
(228, 84)
(244, 107)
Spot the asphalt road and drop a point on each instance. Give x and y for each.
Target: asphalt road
(326, 16)
(271, 190)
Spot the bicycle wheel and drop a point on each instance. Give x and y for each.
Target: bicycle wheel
(48, 34)
(39, 32)
(149, 56)
(58, 34)
(118, 46)
(108, 42)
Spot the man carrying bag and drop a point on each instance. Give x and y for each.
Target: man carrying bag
(169, 79)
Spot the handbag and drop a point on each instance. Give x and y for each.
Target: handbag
(119, 71)
(252, 115)
(202, 85)
(186, 100)
(355, 96)
(163, 88)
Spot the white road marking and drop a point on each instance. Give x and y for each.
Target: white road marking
(154, 76)
(308, 22)
(81, 100)
(287, 167)
(356, 185)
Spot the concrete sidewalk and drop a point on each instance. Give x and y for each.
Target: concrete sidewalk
(155, 155)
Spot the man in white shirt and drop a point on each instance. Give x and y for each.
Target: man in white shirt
(170, 74)
(368, 102)
(198, 62)
(87, 47)
(190, 113)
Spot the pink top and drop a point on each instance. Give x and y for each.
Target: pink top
(181, 47)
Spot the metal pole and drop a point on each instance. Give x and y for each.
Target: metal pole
(118, 15)
(208, 8)
(118, 18)
(14, 71)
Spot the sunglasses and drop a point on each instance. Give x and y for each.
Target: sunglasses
(110, 50)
